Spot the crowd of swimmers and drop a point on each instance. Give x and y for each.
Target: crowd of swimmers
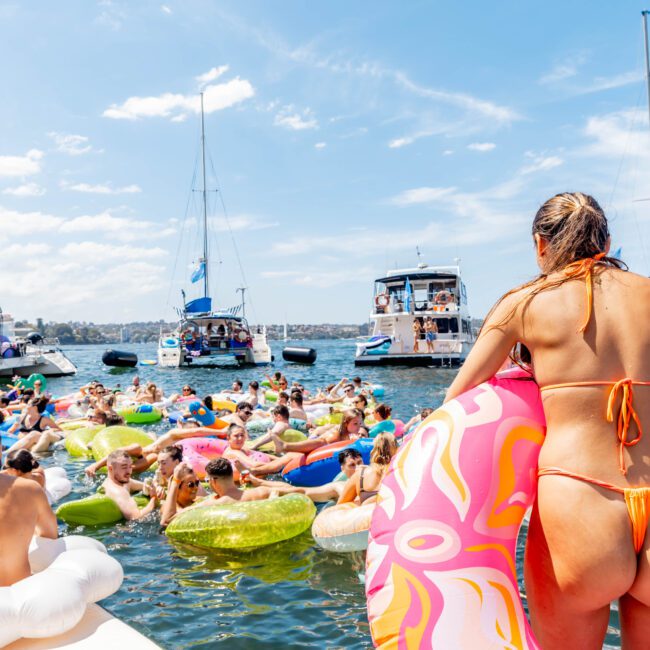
(239, 475)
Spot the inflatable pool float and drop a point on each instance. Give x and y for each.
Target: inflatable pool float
(57, 484)
(141, 414)
(270, 396)
(331, 418)
(77, 411)
(69, 573)
(81, 423)
(343, 528)
(244, 525)
(440, 569)
(30, 381)
(112, 438)
(8, 423)
(259, 426)
(148, 362)
(396, 427)
(198, 452)
(95, 510)
(76, 441)
(298, 425)
(205, 417)
(223, 405)
(322, 465)
(290, 435)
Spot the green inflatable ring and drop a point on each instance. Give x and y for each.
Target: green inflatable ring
(29, 382)
(95, 510)
(290, 435)
(259, 426)
(271, 396)
(76, 441)
(266, 383)
(112, 438)
(244, 525)
(333, 418)
(133, 414)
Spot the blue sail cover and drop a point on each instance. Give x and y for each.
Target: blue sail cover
(199, 306)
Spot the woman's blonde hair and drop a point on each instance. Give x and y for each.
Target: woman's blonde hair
(576, 228)
(383, 449)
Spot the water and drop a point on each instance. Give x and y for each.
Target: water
(290, 595)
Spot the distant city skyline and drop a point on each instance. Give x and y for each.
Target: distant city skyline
(343, 136)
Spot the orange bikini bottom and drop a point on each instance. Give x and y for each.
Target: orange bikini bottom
(637, 501)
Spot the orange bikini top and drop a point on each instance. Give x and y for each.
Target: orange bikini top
(626, 414)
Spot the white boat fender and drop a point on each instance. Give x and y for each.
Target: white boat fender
(54, 600)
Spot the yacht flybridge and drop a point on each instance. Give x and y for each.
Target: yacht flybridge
(205, 337)
(420, 317)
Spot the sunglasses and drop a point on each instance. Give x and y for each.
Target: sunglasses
(246, 412)
(192, 484)
(187, 389)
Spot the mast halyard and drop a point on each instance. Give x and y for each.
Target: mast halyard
(205, 208)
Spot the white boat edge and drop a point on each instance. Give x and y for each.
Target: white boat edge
(97, 630)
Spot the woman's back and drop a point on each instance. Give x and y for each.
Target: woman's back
(615, 345)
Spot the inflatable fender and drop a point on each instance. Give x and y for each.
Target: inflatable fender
(343, 528)
(54, 600)
(57, 484)
(322, 465)
(440, 568)
(244, 525)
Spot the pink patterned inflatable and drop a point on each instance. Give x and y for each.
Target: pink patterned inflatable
(441, 554)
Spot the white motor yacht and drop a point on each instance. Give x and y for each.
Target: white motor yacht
(404, 296)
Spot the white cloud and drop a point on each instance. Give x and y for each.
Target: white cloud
(421, 195)
(27, 189)
(323, 279)
(212, 74)
(410, 139)
(541, 164)
(73, 145)
(173, 105)
(289, 118)
(481, 146)
(165, 9)
(320, 145)
(91, 251)
(27, 165)
(447, 152)
(607, 83)
(100, 188)
(564, 69)
(16, 223)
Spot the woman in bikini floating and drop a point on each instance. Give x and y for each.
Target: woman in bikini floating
(584, 322)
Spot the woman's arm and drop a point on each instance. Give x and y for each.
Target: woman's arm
(350, 489)
(491, 349)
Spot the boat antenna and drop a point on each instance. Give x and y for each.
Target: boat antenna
(205, 207)
(243, 301)
(417, 250)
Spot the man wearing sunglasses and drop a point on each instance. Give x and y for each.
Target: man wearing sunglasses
(184, 488)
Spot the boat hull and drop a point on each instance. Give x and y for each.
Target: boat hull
(421, 360)
(49, 364)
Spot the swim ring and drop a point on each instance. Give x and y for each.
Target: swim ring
(57, 484)
(198, 452)
(205, 416)
(343, 528)
(322, 465)
(31, 380)
(68, 573)
(396, 427)
(95, 510)
(112, 438)
(140, 414)
(290, 435)
(76, 440)
(244, 525)
(441, 553)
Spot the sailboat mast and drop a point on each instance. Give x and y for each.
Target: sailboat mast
(205, 207)
(647, 54)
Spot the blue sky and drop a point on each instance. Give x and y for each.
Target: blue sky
(343, 135)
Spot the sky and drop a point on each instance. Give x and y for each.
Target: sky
(340, 137)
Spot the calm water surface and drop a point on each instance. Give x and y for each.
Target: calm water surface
(290, 595)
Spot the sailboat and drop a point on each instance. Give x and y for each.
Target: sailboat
(207, 337)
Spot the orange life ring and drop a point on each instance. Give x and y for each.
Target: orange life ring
(381, 300)
(443, 297)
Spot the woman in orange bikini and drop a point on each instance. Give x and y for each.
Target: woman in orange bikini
(584, 321)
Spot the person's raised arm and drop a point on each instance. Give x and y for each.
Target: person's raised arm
(491, 348)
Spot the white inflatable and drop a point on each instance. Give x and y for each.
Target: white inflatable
(69, 573)
(57, 484)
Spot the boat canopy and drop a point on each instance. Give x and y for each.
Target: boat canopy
(199, 306)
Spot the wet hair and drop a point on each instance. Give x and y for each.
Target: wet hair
(575, 227)
(282, 411)
(21, 460)
(40, 403)
(348, 416)
(234, 427)
(254, 385)
(426, 412)
(296, 396)
(243, 405)
(113, 419)
(362, 397)
(219, 468)
(117, 456)
(207, 400)
(284, 395)
(238, 382)
(383, 410)
(350, 452)
(175, 452)
(277, 375)
(383, 449)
